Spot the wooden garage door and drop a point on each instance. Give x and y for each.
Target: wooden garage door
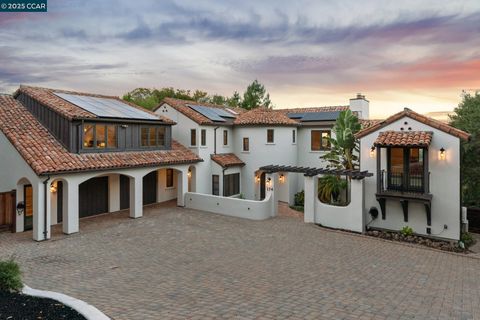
(93, 197)
(7, 210)
(150, 188)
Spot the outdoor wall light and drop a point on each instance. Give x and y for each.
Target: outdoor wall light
(269, 182)
(257, 178)
(189, 173)
(442, 154)
(372, 152)
(281, 178)
(53, 187)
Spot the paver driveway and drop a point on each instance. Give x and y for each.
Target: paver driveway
(176, 264)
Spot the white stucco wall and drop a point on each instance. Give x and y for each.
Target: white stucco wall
(444, 184)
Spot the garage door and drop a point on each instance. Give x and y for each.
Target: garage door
(150, 188)
(93, 197)
(124, 192)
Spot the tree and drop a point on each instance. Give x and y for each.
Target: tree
(467, 118)
(343, 146)
(235, 100)
(255, 96)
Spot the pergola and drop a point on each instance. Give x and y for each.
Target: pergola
(311, 172)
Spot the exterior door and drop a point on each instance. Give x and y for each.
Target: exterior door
(7, 210)
(150, 188)
(93, 197)
(215, 185)
(59, 201)
(262, 186)
(124, 192)
(28, 214)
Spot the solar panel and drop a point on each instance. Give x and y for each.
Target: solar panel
(208, 112)
(315, 116)
(223, 113)
(106, 107)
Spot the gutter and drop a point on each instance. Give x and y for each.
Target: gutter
(45, 183)
(215, 140)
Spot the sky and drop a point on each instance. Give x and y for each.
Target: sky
(416, 54)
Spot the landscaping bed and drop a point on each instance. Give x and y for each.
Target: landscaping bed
(412, 238)
(17, 306)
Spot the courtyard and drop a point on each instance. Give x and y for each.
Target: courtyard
(176, 263)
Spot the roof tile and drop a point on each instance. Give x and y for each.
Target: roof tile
(226, 160)
(404, 139)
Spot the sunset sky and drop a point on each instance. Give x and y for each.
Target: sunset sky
(417, 54)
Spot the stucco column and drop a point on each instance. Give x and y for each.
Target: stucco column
(136, 197)
(39, 213)
(113, 192)
(70, 219)
(182, 186)
(19, 223)
(311, 191)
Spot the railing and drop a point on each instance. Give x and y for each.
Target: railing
(411, 182)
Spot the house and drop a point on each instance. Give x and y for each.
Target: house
(247, 140)
(415, 161)
(67, 155)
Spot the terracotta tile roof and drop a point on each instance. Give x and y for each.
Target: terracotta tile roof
(68, 110)
(404, 138)
(264, 116)
(45, 155)
(418, 117)
(367, 123)
(226, 160)
(182, 106)
(315, 109)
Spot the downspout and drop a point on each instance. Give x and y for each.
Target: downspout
(223, 181)
(215, 140)
(45, 182)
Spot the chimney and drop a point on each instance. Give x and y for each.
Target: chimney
(360, 106)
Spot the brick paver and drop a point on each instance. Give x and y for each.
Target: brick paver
(183, 264)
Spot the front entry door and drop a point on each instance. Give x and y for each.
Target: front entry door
(262, 186)
(28, 215)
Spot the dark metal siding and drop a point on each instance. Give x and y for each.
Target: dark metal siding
(93, 197)
(58, 125)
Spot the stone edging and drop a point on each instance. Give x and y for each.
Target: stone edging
(411, 245)
(86, 310)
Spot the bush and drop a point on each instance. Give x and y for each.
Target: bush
(467, 239)
(407, 231)
(10, 276)
(300, 199)
(298, 208)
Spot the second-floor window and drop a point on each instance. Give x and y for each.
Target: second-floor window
(99, 136)
(193, 137)
(294, 136)
(203, 137)
(270, 136)
(152, 136)
(225, 137)
(320, 140)
(406, 169)
(246, 144)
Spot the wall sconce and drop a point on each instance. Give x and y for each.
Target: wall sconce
(281, 178)
(442, 154)
(189, 173)
(372, 152)
(20, 208)
(53, 187)
(269, 182)
(257, 178)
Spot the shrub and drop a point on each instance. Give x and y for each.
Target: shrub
(300, 198)
(407, 231)
(10, 276)
(467, 239)
(298, 208)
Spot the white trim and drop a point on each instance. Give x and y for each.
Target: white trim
(85, 309)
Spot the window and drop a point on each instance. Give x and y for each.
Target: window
(152, 136)
(270, 136)
(320, 140)
(169, 182)
(215, 185)
(225, 137)
(193, 137)
(161, 136)
(231, 184)
(99, 136)
(203, 137)
(405, 169)
(246, 144)
(294, 138)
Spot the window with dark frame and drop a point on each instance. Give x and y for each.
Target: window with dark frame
(203, 137)
(215, 184)
(225, 137)
(246, 144)
(151, 136)
(99, 136)
(193, 137)
(231, 184)
(320, 140)
(270, 136)
(294, 138)
(169, 176)
(406, 169)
